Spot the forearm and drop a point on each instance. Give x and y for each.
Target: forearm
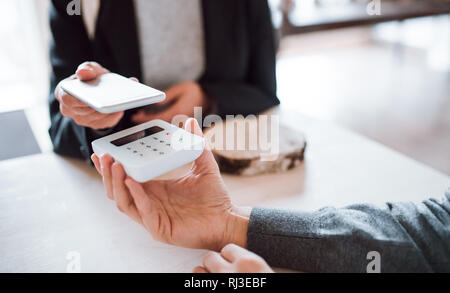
(408, 237)
(67, 140)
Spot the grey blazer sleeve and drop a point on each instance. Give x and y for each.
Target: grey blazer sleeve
(408, 237)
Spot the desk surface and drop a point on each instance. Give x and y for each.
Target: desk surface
(50, 206)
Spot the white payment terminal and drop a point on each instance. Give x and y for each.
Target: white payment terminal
(150, 149)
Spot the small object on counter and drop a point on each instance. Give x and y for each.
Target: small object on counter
(291, 149)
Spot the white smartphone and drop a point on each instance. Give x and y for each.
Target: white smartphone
(150, 149)
(111, 93)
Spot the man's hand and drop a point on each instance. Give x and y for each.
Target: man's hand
(181, 99)
(233, 259)
(80, 112)
(193, 211)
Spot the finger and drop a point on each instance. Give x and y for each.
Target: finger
(83, 111)
(67, 111)
(64, 110)
(90, 70)
(123, 199)
(142, 117)
(106, 161)
(103, 121)
(169, 114)
(96, 162)
(192, 126)
(72, 102)
(163, 111)
(134, 79)
(200, 270)
(139, 195)
(59, 92)
(144, 205)
(180, 106)
(70, 113)
(172, 93)
(83, 115)
(166, 115)
(83, 119)
(215, 263)
(232, 252)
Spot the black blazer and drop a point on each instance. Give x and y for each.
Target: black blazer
(239, 74)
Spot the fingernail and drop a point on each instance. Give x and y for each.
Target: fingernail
(85, 67)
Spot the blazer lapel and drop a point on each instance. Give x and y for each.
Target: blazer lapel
(117, 27)
(224, 37)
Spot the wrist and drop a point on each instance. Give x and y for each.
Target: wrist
(236, 227)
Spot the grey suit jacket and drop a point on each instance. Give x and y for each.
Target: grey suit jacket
(407, 237)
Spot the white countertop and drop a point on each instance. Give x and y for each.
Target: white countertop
(50, 206)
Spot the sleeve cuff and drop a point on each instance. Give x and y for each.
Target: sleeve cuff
(293, 240)
(280, 237)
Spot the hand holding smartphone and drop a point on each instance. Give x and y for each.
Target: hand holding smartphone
(111, 92)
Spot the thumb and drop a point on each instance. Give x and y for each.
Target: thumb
(191, 125)
(206, 162)
(90, 70)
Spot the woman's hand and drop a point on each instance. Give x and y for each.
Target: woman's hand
(80, 112)
(193, 211)
(233, 259)
(180, 99)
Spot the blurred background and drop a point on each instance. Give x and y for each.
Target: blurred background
(379, 68)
